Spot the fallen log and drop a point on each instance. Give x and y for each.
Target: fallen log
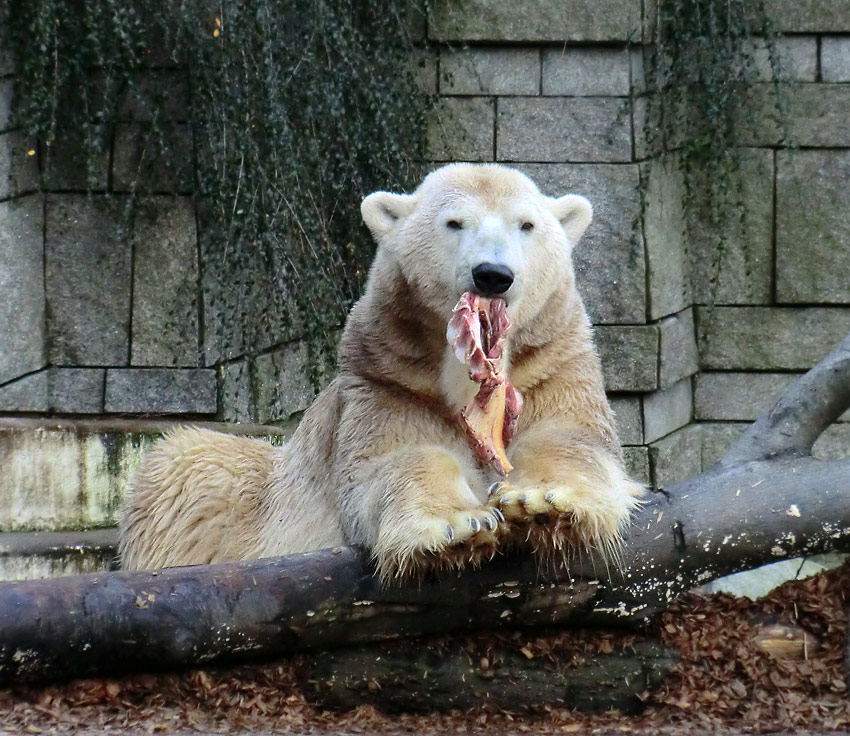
(426, 677)
(766, 500)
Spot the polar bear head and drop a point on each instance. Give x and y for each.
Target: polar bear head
(480, 227)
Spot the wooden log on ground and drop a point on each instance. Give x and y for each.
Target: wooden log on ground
(424, 676)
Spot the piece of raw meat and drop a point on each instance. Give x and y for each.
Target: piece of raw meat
(475, 332)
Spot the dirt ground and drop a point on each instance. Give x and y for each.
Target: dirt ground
(725, 682)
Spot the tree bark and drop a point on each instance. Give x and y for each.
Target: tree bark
(744, 512)
(417, 678)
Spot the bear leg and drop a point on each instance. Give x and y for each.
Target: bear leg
(568, 495)
(417, 512)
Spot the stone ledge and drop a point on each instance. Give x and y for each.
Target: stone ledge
(35, 555)
(63, 474)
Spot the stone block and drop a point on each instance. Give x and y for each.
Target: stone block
(235, 392)
(609, 261)
(629, 357)
(792, 59)
(835, 59)
(833, 444)
(560, 129)
(813, 227)
(7, 89)
(646, 116)
(29, 393)
(718, 437)
(585, 71)
(536, 20)
(138, 164)
(629, 419)
(741, 396)
(76, 390)
(160, 391)
(18, 164)
(637, 463)
(676, 457)
(731, 259)
(489, 71)
(22, 339)
(815, 16)
(87, 268)
(165, 283)
(678, 354)
(282, 385)
(667, 410)
(802, 115)
(737, 396)
(461, 129)
(664, 235)
(769, 339)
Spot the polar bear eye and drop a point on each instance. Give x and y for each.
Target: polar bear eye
(527, 227)
(454, 225)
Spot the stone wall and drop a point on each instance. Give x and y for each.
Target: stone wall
(94, 323)
(98, 322)
(557, 90)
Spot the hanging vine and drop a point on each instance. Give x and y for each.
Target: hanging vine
(705, 56)
(278, 117)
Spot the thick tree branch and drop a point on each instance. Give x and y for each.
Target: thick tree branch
(793, 424)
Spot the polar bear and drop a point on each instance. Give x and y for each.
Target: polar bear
(381, 459)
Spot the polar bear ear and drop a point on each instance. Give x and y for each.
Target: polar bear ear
(574, 213)
(383, 211)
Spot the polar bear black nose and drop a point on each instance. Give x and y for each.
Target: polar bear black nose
(491, 279)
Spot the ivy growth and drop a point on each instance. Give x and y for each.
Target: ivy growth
(704, 59)
(278, 117)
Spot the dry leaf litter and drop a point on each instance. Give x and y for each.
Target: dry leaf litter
(725, 682)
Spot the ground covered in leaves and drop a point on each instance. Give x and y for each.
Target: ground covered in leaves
(725, 681)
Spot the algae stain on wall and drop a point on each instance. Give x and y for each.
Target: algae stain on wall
(58, 479)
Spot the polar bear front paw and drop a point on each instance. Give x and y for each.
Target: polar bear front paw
(577, 514)
(412, 544)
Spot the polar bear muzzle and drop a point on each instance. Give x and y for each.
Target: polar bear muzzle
(492, 279)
